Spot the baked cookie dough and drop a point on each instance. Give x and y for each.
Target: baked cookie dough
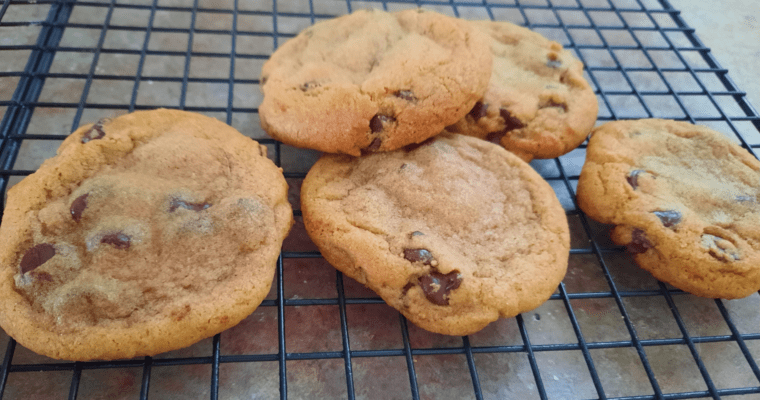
(145, 233)
(685, 201)
(373, 81)
(454, 233)
(537, 105)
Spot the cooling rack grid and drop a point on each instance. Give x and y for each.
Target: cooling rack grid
(609, 331)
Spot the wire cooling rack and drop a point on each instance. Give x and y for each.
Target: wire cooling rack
(609, 331)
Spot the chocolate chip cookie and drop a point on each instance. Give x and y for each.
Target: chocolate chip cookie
(454, 233)
(537, 105)
(373, 81)
(685, 201)
(145, 233)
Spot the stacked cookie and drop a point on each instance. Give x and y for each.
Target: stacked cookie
(451, 230)
(374, 81)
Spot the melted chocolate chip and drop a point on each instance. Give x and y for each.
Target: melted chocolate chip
(495, 137)
(41, 276)
(633, 178)
(96, 132)
(377, 123)
(78, 206)
(372, 146)
(36, 256)
(510, 122)
(177, 203)
(406, 95)
(416, 233)
(308, 86)
(118, 240)
(554, 63)
(438, 286)
(668, 217)
(639, 242)
(419, 255)
(478, 111)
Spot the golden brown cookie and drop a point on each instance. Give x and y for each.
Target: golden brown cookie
(685, 199)
(454, 233)
(537, 105)
(373, 81)
(145, 233)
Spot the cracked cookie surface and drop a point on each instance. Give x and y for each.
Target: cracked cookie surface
(685, 201)
(145, 233)
(538, 104)
(454, 233)
(373, 81)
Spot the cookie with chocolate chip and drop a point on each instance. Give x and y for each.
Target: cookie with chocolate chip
(145, 233)
(685, 201)
(373, 81)
(537, 105)
(454, 233)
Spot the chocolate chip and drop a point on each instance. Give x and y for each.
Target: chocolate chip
(438, 286)
(96, 132)
(372, 146)
(177, 203)
(478, 111)
(639, 242)
(510, 122)
(377, 123)
(554, 104)
(36, 256)
(118, 240)
(419, 255)
(78, 206)
(554, 63)
(668, 217)
(41, 276)
(406, 95)
(416, 233)
(633, 178)
(415, 146)
(495, 137)
(263, 80)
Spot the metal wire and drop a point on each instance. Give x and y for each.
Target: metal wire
(20, 111)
